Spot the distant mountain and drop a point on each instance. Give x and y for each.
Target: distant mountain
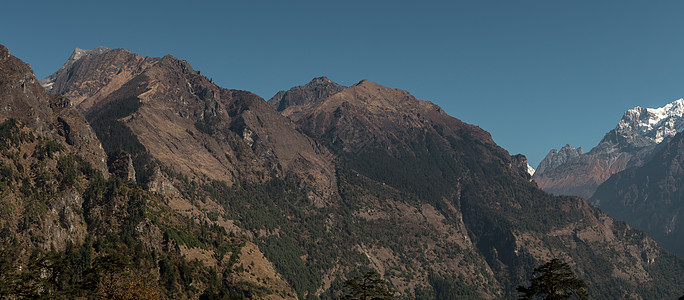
(572, 172)
(651, 197)
(345, 179)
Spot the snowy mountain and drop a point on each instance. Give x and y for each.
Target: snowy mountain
(655, 124)
(634, 139)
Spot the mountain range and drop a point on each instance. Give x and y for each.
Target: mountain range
(217, 192)
(633, 174)
(570, 171)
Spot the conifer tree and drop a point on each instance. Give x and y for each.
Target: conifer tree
(555, 281)
(367, 287)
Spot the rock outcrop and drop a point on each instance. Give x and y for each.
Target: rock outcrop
(49, 82)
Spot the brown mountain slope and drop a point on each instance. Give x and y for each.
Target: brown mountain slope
(390, 124)
(184, 120)
(429, 201)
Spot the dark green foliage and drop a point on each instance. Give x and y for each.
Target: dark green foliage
(426, 168)
(555, 281)
(289, 228)
(47, 149)
(367, 287)
(73, 167)
(286, 254)
(270, 206)
(11, 134)
(448, 287)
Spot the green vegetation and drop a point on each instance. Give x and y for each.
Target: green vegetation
(367, 287)
(555, 281)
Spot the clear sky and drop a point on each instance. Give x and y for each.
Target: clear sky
(536, 74)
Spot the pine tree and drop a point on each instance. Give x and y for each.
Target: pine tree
(367, 287)
(555, 281)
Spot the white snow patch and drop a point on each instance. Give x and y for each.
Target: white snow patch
(655, 123)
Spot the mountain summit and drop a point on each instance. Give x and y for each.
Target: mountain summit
(634, 139)
(317, 89)
(78, 53)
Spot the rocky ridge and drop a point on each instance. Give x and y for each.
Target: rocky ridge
(184, 120)
(317, 89)
(48, 82)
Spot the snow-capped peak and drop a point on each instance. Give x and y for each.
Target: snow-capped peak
(530, 169)
(655, 124)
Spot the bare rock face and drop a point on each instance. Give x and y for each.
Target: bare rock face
(53, 116)
(121, 165)
(94, 75)
(519, 163)
(557, 158)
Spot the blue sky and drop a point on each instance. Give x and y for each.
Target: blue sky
(536, 74)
